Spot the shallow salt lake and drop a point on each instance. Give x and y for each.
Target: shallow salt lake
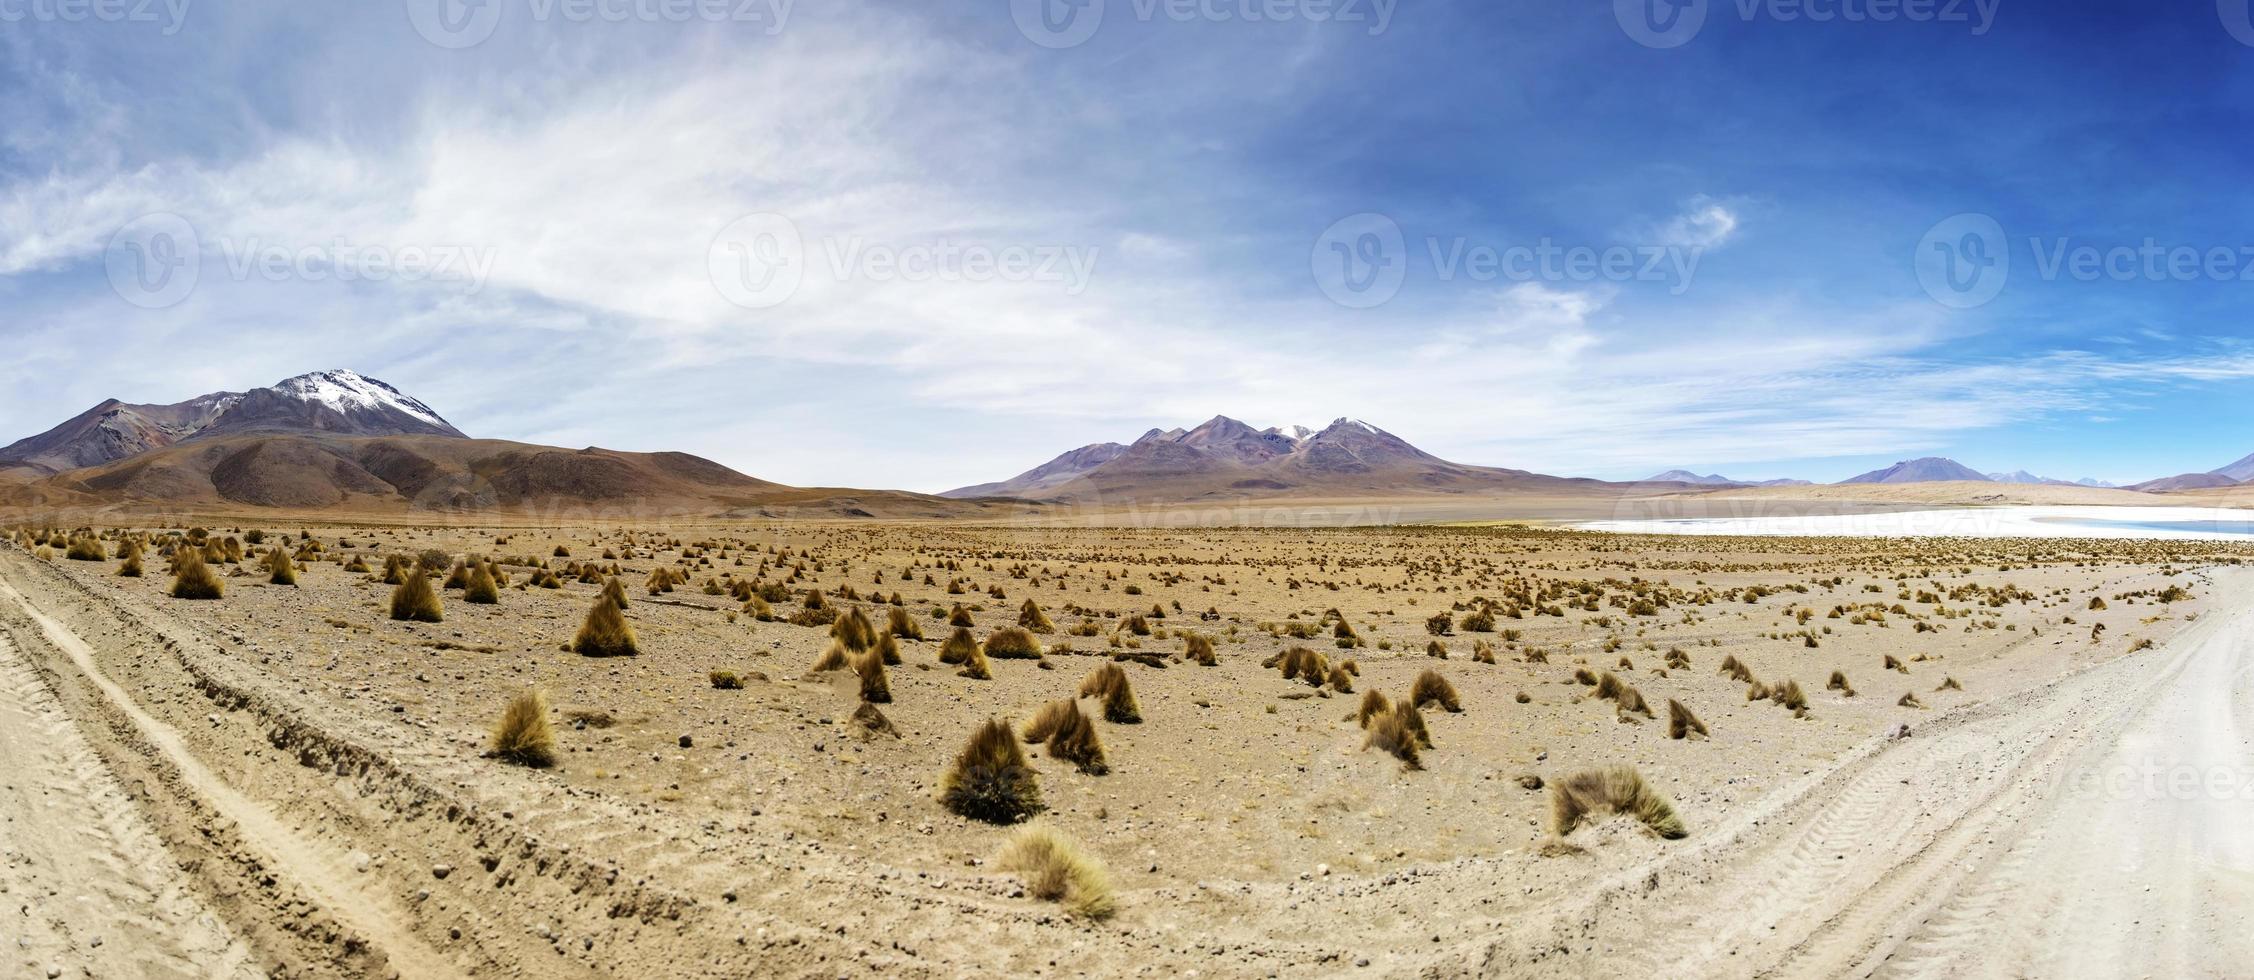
(2155, 523)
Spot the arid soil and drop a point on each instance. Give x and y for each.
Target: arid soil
(286, 781)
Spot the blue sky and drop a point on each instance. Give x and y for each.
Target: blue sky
(1001, 242)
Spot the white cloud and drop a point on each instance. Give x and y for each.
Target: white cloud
(1704, 223)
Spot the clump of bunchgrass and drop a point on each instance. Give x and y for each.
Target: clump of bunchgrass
(1613, 789)
(1055, 869)
(605, 632)
(523, 735)
(991, 780)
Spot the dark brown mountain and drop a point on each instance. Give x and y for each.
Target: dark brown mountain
(440, 474)
(1225, 459)
(2187, 481)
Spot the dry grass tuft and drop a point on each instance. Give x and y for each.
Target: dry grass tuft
(415, 601)
(1393, 734)
(1790, 696)
(904, 626)
(1047, 720)
(605, 632)
(1055, 869)
(1012, 643)
(991, 780)
(854, 631)
(1614, 789)
(1414, 720)
(194, 579)
(1839, 683)
(834, 657)
(483, 589)
(523, 736)
(1075, 741)
(1341, 680)
(1032, 618)
(280, 570)
(1198, 649)
(1735, 669)
(1909, 700)
(1681, 723)
(958, 648)
(1950, 684)
(875, 688)
(1108, 684)
(1373, 704)
(975, 666)
(1431, 688)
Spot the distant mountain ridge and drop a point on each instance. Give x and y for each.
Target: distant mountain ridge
(1931, 469)
(1226, 458)
(1718, 480)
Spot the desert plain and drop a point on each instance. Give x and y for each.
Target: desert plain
(288, 781)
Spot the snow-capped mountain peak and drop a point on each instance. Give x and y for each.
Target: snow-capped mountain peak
(341, 391)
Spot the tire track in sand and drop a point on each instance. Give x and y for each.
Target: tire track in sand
(87, 886)
(318, 870)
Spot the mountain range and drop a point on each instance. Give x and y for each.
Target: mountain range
(1227, 459)
(1718, 480)
(344, 441)
(339, 440)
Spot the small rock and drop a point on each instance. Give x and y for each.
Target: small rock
(686, 741)
(440, 871)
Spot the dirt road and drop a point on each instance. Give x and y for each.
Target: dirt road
(2099, 826)
(88, 889)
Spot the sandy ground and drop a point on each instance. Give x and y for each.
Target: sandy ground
(311, 799)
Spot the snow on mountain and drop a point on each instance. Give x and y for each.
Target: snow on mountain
(346, 391)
